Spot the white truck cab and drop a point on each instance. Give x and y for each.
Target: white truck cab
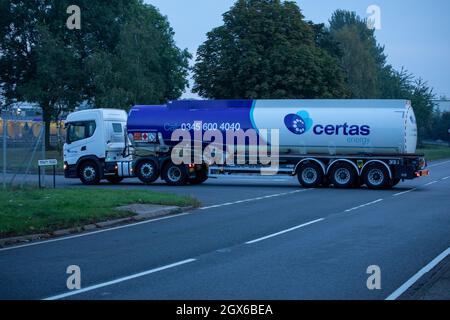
(95, 142)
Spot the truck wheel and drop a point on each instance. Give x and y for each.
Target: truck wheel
(201, 176)
(376, 176)
(175, 175)
(147, 171)
(114, 179)
(343, 176)
(89, 173)
(310, 175)
(395, 182)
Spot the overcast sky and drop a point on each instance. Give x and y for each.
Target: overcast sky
(416, 33)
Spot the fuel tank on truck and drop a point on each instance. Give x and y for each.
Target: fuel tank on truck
(331, 127)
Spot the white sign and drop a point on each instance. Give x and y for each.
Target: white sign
(47, 163)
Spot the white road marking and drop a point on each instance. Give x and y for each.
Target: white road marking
(405, 192)
(397, 293)
(93, 232)
(109, 283)
(414, 189)
(438, 164)
(364, 205)
(284, 231)
(253, 199)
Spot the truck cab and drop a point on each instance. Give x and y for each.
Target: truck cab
(95, 142)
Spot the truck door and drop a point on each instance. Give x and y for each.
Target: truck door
(78, 139)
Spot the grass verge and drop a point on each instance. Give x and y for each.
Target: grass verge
(28, 211)
(433, 153)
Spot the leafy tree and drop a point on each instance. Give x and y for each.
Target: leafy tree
(368, 74)
(42, 61)
(421, 97)
(144, 67)
(265, 49)
(441, 125)
(361, 58)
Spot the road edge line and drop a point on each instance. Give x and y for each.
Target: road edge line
(405, 286)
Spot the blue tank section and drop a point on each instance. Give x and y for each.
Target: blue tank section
(222, 115)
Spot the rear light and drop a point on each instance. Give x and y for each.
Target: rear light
(423, 173)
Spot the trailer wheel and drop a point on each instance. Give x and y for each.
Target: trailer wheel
(343, 175)
(175, 175)
(395, 182)
(310, 175)
(201, 176)
(89, 173)
(376, 176)
(114, 179)
(147, 171)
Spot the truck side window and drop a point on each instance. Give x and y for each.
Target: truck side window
(80, 130)
(117, 127)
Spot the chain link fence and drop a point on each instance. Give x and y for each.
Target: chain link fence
(22, 144)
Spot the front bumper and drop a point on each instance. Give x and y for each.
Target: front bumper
(70, 171)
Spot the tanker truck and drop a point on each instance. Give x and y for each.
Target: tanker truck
(339, 143)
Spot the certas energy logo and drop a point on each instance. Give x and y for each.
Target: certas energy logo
(301, 123)
(298, 123)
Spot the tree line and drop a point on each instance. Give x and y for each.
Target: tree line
(125, 54)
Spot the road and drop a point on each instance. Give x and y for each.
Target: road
(251, 239)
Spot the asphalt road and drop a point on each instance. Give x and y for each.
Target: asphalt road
(253, 238)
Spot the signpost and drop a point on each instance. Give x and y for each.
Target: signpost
(47, 163)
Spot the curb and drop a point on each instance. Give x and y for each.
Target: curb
(93, 226)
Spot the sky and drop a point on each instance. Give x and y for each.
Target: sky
(415, 33)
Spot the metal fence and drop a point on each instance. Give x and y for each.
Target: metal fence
(22, 144)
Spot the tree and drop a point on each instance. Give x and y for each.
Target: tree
(361, 57)
(42, 61)
(265, 49)
(367, 72)
(422, 97)
(441, 125)
(145, 66)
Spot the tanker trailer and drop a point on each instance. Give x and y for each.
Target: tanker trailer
(344, 143)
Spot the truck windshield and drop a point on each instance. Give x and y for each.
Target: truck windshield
(79, 130)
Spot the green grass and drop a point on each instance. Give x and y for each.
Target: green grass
(433, 152)
(27, 211)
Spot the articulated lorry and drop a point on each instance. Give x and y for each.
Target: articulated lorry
(343, 143)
